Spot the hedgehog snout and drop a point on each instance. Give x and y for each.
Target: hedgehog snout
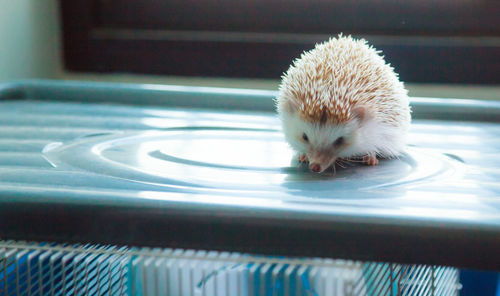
(318, 167)
(315, 167)
(318, 162)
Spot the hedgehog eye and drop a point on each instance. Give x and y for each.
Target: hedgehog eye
(338, 142)
(304, 137)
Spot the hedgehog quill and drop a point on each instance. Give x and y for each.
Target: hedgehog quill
(341, 100)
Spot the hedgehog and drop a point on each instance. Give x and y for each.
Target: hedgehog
(342, 101)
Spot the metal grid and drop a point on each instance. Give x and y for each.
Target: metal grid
(63, 269)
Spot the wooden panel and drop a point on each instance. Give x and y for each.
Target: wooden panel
(426, 41)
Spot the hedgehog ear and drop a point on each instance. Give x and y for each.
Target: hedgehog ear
(291, 106)
(361, 113)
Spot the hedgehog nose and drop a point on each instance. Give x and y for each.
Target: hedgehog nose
(315, 167)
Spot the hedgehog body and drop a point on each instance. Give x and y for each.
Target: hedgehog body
(341, 100)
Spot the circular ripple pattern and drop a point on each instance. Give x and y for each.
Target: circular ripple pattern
(235, 159)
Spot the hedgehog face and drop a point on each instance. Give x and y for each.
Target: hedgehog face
(322, 143)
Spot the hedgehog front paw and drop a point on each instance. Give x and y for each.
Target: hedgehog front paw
(302, 158)
(370, 159)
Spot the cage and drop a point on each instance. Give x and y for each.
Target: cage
(61, 269)
(119, 189)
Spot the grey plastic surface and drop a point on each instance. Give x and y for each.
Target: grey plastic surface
(215, 162)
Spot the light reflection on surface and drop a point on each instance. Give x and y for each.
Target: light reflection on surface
(172, 123)
(428, 212)
(454, 102)
(210, 199)
(440, 138)
(423, 197)
(469, 127)
(255, 168)
(208, 90)
(205, 156)
(212, 116)
(226, 152)
(260, 161)
(424, 211)
(177, 118)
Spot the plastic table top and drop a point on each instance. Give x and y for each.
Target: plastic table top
(208, 168)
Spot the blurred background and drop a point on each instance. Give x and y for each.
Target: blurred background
(439, 48)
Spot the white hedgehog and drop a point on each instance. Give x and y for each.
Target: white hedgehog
(341, 100)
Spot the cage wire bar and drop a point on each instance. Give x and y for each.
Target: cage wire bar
(30, 268)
